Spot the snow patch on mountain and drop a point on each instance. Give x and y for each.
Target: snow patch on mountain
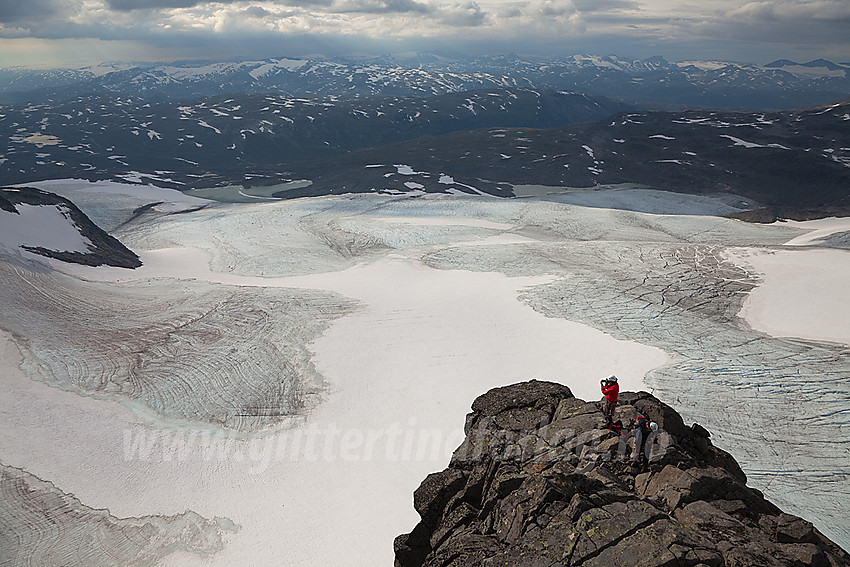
(407, 170)
(41, 226)
(205, 125)
(704, 65)
(746, 144)
(276, 64)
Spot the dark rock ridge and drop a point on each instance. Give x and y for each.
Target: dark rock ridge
(539, 481)
(797, 164)
(105, 249)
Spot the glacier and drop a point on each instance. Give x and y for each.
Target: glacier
(161, 391)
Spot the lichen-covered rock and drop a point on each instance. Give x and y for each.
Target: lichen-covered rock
(541, 481)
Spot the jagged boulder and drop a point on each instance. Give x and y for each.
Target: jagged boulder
(540, 480)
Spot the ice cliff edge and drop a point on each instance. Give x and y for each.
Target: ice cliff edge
(540, 481)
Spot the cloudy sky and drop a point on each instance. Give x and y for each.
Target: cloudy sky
(84, 32)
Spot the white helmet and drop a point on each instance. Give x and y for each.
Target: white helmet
(612, 378)
(653, 426)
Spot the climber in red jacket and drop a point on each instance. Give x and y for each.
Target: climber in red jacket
(611, 390)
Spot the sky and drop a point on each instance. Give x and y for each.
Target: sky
(74, 33)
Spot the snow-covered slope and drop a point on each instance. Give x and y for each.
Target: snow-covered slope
(41, 226)
(38, 222)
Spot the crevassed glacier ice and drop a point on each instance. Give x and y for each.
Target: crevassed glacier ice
(49, 527)
(661, 280)
(779, 405)
(187, 351)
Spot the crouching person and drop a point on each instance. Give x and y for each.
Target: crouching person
(644, 432)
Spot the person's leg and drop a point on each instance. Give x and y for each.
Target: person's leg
(647, 446)
(644, 448)
(638, 444)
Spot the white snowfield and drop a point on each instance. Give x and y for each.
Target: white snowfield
(41, 226)
(805, 293)
(817, 230)
(414, 307)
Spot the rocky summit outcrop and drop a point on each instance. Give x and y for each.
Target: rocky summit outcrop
(540, 481)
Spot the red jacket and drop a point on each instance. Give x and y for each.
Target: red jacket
(611, 391)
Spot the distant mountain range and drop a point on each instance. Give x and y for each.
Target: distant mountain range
(478, 142)
(440, 125)
(782, 84)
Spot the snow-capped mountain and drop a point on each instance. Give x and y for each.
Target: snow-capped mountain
(504, 132)
(781, 84)
(819, 68)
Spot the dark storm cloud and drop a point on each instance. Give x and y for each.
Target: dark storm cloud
(818, 24)
(257, 12)
(605, 5)
(15, 11)
(127, 5)
(464, 14)
(382, 6)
